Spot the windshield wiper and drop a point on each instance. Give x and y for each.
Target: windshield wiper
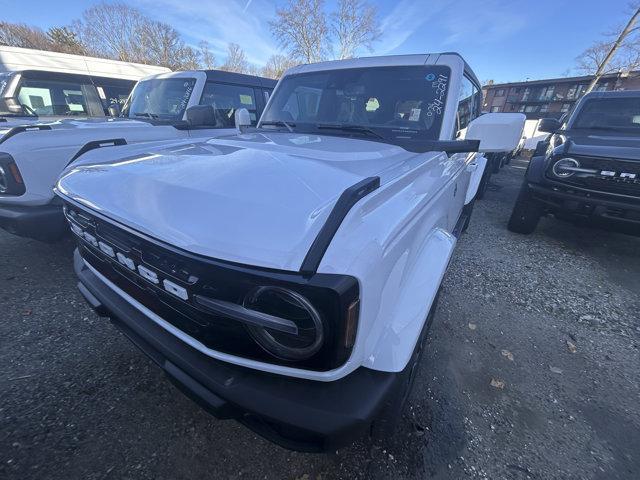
(145, 114)
(349, 128)
(605, 127)
(279, 123)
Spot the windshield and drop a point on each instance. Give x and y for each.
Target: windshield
(609, 114)
(161, 98)
(403, 102)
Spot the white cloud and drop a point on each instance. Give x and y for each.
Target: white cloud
(494, 21)
(220, 22)
(406, 18)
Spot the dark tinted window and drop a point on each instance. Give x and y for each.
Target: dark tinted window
(226, 99)
(400, 102)
(46, 97)
(164, 98)
(614, 113)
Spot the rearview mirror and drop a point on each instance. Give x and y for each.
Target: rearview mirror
(549, 125)
(242, 118)
(497, 132)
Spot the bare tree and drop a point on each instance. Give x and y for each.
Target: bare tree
(301, 29)
(236, 59)
(276, 66)
(121, 32)
(620, 51)
(161, 44)
(63, 39)
(354, 25)
(111, 30)
(22, 35)
(207, 59)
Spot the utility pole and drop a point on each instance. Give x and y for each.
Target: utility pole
(612, 51)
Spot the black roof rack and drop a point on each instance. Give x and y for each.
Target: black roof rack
(232, 77)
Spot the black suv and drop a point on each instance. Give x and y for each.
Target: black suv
(590, 167)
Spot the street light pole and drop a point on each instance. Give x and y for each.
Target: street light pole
(612, 51)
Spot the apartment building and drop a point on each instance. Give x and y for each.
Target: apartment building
(551, 97)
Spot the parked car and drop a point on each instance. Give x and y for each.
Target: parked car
(163, 107)
(39, 86)
(589, 168)
(286, 276)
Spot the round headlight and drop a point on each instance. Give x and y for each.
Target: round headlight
(560, 167)
(4, 182)
(290, 305)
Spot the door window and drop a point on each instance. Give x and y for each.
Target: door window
(226, 99)
(468, 102)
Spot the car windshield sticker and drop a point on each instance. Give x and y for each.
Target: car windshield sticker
(440, 86)
(415, 114)
(188, 86)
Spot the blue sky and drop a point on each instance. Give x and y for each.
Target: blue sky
(504, 40)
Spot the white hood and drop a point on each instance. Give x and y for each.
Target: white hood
(254, 199)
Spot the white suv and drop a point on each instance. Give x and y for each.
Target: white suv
(286, 276)
(162, 107)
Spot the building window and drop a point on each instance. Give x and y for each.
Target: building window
(515, 91)
(576, 91)
(546, 93)
(525, 95)
(521, 108)
(602, 87)
(495, 109)
(531, 108)
(544, 108)
(565, 107)
(500, 92)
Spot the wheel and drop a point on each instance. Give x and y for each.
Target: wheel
(495, 163)
(484, 183)
(467, 211)
(385, 425)
(526, 212)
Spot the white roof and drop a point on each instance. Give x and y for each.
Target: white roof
(17, 59)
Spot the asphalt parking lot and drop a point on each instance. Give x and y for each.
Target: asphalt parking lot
(531, 371)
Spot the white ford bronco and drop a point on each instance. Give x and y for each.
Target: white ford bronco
(162, 107)
(286, 276)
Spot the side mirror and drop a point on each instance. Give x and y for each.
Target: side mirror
(497, 132)
(242, 119)
(549, 125)
(201, 116)
(114, 110)
(13, 105)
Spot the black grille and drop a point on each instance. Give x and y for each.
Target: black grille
(617, 183)
(214, 279)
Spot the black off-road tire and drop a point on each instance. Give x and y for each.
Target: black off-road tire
(526, 212)
(484, 183)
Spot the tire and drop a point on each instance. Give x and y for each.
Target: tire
(496, 163)
(484, 183)
(468, 211)
(526, 212)
(387, 421)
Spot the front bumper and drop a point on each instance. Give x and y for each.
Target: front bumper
(44, 222)
(565, 200)
(298, 414)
